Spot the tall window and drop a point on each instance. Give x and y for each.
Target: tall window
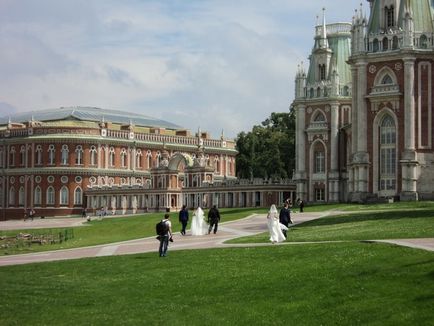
(23, 155)
(123, 158)
(112, 156)
(388, 154)
(322, 72)
(319, 162)
(37, 200)
(11, 196)
(158, 158)
(50, 196)
(79, 155)
(51, 155)
(21, 197)
(64, 194)
(389, 16)
(319, 194)
(1, 156)
(139, 159)
(65, 155)
(149, 159)
(12, 156)
(38, 157)
(93, 156)
(78, 196)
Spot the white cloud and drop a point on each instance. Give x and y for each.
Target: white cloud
(217, 64)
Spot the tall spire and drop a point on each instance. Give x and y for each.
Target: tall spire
(323, 40)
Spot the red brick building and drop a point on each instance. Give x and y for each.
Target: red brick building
(380, 144)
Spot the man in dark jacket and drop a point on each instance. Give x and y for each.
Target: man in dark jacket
(285, 217)
(183, 218)
(213, 219)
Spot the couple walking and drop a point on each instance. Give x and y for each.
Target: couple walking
(198, 225)
(278, 223)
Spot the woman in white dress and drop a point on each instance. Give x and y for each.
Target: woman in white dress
(276, 234)
(198, 224)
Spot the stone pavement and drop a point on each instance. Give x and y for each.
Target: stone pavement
(245, 227)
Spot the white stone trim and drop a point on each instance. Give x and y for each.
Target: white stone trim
(426, 65)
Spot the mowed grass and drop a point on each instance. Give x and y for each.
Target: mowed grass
(110, 230)
(367, 225)
(310, 284)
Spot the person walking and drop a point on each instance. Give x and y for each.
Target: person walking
(213, 219)
(276, 234)
(301, 205)
(285, 218)
(166, 236)
(183, 218)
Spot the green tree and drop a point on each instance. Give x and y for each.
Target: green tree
(268, 150)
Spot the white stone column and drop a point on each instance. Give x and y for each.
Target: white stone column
(300, 138)
(409, 111)
(361, 108)
(334, 131)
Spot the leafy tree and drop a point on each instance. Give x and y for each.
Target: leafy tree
(268, 150)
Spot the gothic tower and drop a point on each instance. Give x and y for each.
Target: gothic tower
(323, 107)
(391, 153)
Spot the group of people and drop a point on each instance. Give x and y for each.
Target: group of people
(278, 223)
(198, 225)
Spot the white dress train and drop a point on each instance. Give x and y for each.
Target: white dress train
(198, 224)
(276, 234)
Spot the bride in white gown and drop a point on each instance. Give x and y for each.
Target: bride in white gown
(198, 224)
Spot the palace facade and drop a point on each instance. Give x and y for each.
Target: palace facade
(364, 107)
(64, 160)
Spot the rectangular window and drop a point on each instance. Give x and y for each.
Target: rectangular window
(319, 194)
(319, 162)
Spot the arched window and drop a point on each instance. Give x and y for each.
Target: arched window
(158, 158)
(385, 44)
(311, 93)
(93, 156)
(21, 197)
(38, 157)
(318, 92)
(149, 159)
(319, 164)
(387, 154)
(375, 45)
(387, 80)
(345, 91)
(78, 196)
(79, 155)
(217, 164)
(37, 196)
(139, 158)
(389, 15)
(23, 155)
(12, 156)
(64, 196)
(123, 158)
(11, 196)
(395, 42)
(65, 155)
(50, 196)
(423, 42)
(51, 155)
(112, 157)
(322, 72)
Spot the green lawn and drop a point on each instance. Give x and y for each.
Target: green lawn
(390, 224)
(110, 230)
(311, 284)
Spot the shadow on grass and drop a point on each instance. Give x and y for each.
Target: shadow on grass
(363, 217)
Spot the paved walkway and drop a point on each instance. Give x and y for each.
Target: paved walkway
(245, 227)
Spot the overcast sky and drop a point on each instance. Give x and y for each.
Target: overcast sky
(214, 64)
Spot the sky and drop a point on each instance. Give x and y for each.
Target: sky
(217, 65)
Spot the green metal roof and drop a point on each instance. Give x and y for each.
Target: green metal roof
(89, 114)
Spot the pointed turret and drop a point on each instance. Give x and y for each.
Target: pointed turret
(323, 43)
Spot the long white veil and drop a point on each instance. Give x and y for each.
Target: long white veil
(198, 224)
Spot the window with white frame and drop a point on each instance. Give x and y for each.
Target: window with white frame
(38, 156)
(79, 155)
(123, 158)
(112, 157)
(78, 196)
(320, 194)
(139, 159)
(65, 155)
(11, 196)
(387, 154)
(158, 158)
(319, 164)
(21, 197)
(149, 159)
(64, 195)
(93, 156)
(12, 156)
(50, 196)
(22, 155)
(37, 196)
(51, 155)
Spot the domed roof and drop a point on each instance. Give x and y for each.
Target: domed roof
(90, 114)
